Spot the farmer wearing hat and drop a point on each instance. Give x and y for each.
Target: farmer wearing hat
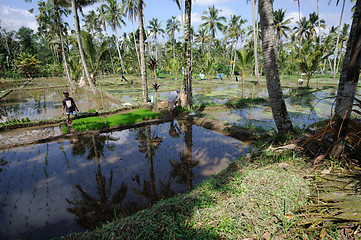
(173, 97)
(69, 106)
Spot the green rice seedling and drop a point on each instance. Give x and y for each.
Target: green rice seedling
(131, 117)
(89, 123)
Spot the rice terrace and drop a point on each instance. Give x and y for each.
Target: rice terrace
(123, 119)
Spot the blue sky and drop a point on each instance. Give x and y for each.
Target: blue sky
(13, 13)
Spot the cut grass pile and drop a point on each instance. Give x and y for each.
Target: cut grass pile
(243, 201)
(95, 123)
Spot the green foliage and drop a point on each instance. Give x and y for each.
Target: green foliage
(180, 109)
(27, 64)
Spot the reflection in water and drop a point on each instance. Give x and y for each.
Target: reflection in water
(182, 170)
(48, 190)
(92, 211)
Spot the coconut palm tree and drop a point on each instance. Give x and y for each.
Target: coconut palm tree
(255, 40)
(51, 12)
(281, 25)
(188, 54)
(93, 53)
(202, 37)
(244, 58)
(92, 23)
(212, 21)
(130, 10)
(338, 38)
(348, 79)
(314, 21)
(156, 30)
(172, 27)
(78, 4)
(235, 33)
(114, 17)
(278, 106)
(142, 52)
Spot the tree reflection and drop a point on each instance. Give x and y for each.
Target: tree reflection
(94, 144)
(91, 211)
(148, 144)
(183, 170)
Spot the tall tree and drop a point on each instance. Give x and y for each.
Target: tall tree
(212, 21)
(75, 5)
(188, 54)
(338, 39)
(114, 17)
(281, 25)
(255, 40)
(130, 9)
(155, 29)
(349, 78)
(142, 52)
(51, 11)
(278, 106)
(92, 23)
(171, 28)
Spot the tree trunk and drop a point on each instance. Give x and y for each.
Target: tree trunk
(80, 44)
(338, 39)
(135, 44)
(117, 44)
(349, 77)
(188, 55)
(255, 40)
(277, 102)
(142, 52)
(60, 34)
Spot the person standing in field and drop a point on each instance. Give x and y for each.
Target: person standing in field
(173, 97)
(69, 106)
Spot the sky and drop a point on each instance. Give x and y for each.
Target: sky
(14, 13)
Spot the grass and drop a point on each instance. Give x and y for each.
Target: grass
(94, 123)
(244, 200)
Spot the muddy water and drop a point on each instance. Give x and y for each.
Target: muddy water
(48, 190)
(304, 108)
(47, 103)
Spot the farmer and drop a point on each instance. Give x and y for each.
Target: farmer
(69, 106)
(173, 97)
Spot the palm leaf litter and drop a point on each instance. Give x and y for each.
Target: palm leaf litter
(336, 199)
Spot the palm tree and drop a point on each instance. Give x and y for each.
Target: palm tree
(172, 27)
(244, 58)
(130, 9)
(155, 30)
(338, 38)
(51, 11)
(202, 37)
(348, 79)
(212, 21)
(278, 106)
(92, 23)
(235, 32)
(94, 53)
(313, 22)
(188, 54)
(114, 17)
(142, 52)
(281, 25)
(255, 40)
(77, 4)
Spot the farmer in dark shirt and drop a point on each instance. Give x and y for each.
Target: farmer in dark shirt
(69, 106)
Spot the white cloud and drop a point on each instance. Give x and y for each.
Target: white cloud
(13, 18)
(93, 7)
(226, 11)
(196, 18)
(208, 2)
(294, 18)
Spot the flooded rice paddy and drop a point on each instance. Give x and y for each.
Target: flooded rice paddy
(51, 189)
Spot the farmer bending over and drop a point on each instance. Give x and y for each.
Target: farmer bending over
(69, 106)
(173, 97)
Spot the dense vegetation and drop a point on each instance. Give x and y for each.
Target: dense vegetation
(220, 45)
